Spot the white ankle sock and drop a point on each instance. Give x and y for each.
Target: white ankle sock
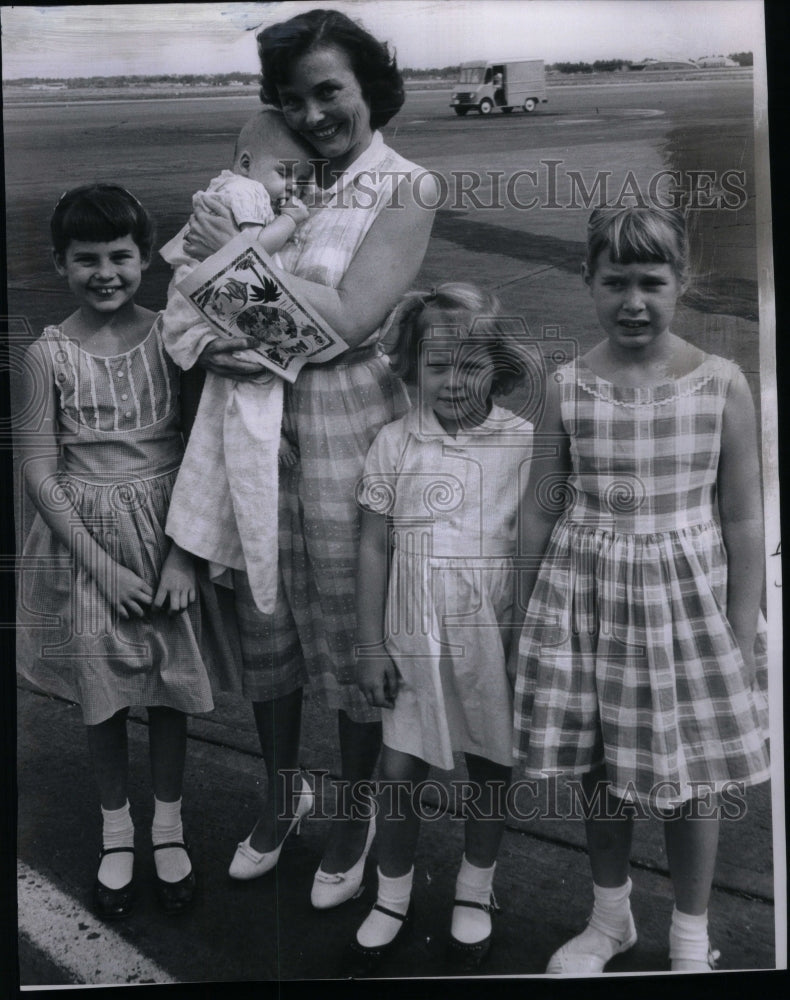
(172, 863)
(609, 924)
(688, 942)
(611, 910)
(469, 924)
(115, 870)
(394, 893)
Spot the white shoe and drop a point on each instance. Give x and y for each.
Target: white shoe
(248, 863)
(333, 889)
(588, 952)
(707, 964)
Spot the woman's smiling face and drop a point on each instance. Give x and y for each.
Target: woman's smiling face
(324, 103)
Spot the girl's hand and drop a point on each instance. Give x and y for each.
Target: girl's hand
(128, 593)
(211, 226)
(749, 662)
(377, 679)
(217, 357)
(177, 582)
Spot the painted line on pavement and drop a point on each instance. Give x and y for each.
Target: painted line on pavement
(76, 940)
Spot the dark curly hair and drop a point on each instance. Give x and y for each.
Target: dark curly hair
(376, 70)
(475, 313)
(101, 213)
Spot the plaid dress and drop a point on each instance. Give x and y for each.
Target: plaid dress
(120, 444)
(626, 657)
(332, 413)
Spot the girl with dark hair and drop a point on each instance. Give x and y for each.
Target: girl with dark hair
(107, 615)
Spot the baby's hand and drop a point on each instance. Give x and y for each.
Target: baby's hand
(127, 592)
(377, 679)
(287, 453)
(295, 208)
(177, 582)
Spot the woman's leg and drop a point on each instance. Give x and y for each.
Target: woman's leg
(108, 749)
(279, 725)
(360, 744)
(691, 842)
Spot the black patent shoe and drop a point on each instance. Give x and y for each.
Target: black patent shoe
(463, 958)
(360, 962)
(113, 904)
(175, 897)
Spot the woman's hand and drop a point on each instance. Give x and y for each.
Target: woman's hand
(177, 582)
(218, 357)
(211, 226)
(377, 679)
(128, 593)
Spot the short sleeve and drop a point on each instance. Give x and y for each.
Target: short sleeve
(377, 489)
(248, 200)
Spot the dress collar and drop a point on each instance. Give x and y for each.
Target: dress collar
(422, 423)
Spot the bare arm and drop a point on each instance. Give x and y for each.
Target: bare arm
(543, 501)
(126, 591)
(384, 267)
(741, 516)
(377, 675)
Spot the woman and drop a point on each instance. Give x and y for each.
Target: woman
(356, 256)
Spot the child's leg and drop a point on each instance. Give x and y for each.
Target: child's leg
(397, 829)
(108, 748)
(611, 927)
(167, 736)
(485, 824)
(691, 851)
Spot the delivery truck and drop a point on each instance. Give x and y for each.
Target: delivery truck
(483, 86)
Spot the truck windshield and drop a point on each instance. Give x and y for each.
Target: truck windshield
(471, 74)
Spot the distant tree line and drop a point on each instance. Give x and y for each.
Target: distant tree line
(225, 79)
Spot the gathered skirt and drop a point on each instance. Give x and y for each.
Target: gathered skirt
(70, 641)
(626, 659)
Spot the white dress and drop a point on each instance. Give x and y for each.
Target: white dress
(452, 503)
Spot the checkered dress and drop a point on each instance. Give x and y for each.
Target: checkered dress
(626, 657)
(332, 413)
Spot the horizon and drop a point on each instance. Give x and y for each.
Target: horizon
(55, 42)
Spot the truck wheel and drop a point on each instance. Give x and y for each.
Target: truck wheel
(506, 111)
(485, 107)
(530, 104)
(461, 111)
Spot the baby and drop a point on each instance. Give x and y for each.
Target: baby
(222, 509)
(269, 163)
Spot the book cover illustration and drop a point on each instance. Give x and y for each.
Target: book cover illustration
(237, 291)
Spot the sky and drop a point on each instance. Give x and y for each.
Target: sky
(139, 39)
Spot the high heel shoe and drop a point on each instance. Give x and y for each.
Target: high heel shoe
(333, 889)
(248, 863)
